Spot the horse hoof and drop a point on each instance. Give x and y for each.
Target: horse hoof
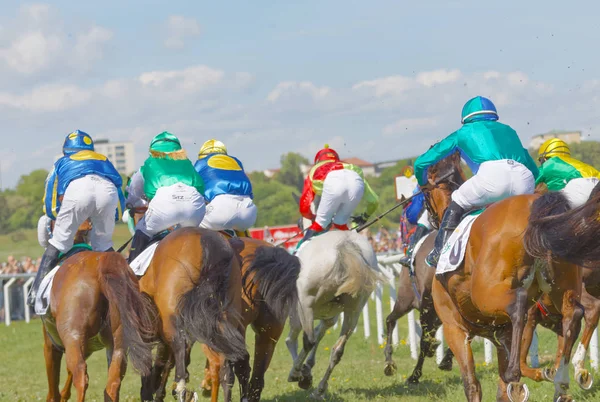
(517, 392)
(390, 369)
(584, 379)
(548, 374)
(412, 380)
(317, 396)
(305, 382)
(206, 393)
(564, 398)
(445, 366)
(191, 397)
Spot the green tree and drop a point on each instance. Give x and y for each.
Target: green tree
(274, 201)
(290, 173)
(31, 186)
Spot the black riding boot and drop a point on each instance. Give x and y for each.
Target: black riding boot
(420, 232)
(49, 261)
(450, 221)
(138, 244)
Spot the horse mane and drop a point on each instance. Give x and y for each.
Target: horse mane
(449, 164)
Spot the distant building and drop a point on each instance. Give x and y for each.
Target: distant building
(570, 137)
(270, 172)
(368, 168)
(121, 154)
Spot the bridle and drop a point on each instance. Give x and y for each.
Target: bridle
(430, 204)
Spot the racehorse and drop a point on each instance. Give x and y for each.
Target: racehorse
(414, 292)
(194, 280)
(258, 313)
(336, 271)
(95, 304)
(489, 294)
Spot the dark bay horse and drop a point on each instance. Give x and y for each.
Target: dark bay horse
(417, 296)
(266, 320)
(95, 304)
(490, 293)
(195, 282)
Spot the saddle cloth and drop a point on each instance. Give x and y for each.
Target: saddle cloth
(142, 261)
(454, 250)
(416, 250)
(42, 299)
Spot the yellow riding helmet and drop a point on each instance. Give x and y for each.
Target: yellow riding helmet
(212, 147)
(554, 147)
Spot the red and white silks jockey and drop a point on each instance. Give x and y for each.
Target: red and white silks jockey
(340, 186)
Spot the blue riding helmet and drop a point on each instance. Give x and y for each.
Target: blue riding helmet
(77, 141)
(478, 108)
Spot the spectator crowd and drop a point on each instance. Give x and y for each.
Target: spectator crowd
(12, 266)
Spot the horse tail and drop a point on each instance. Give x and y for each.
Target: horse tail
(205, 311)
(275, 272)
(136, 312)
(556, 230)
(352, 271)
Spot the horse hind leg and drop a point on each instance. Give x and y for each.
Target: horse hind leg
(77, 366)
(430, 323)
(213, 368)
(117, 368)
(351, 315)
(591, 305)
(180, 352)
(535, 374)
(405, 301)
(53, 358)
(516, 311)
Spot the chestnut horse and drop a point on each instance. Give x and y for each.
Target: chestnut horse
(267, 320)
(95, 304)
(195, 282)
(417, 295)
(490, 293)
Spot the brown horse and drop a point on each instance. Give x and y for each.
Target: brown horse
(544, 313)
(266, 320)
(95, 304)
(195, 282)
(490, 293)
(411, 296)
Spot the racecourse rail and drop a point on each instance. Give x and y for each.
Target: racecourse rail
(390, 266)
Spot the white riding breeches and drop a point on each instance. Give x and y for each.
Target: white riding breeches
(178, 204)
(43, 230)
(227, 211)
(494, 181)
(578, 191)
(342, 192)
(424, 219)
(92, 197)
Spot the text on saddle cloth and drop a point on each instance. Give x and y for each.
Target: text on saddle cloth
(454, 250)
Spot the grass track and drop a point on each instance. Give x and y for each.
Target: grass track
(359, 376)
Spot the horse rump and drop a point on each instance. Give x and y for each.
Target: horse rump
(136, 312)
(571, 234)
(352, 273)
(275, 272)
(205, 313)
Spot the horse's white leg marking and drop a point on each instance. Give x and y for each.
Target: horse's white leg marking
(579, 357)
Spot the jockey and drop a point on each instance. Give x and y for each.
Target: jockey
(494, 152)
(560, 172)
(83, 184)
(416, 214)
(173, 189)
(341, 187)
(227, 189)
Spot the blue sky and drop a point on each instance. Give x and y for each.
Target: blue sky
(380, 80)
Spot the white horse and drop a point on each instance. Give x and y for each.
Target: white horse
(332, 273)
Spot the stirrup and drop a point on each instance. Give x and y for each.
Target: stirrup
(432, 260)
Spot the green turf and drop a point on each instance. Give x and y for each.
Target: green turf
(24, 243)
(359, 376)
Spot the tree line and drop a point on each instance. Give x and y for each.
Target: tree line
(21, 207)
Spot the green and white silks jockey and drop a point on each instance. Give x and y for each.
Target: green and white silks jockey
(173, 189)
(494, 152)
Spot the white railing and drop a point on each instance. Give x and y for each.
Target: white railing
(8, 281)
(390, 266)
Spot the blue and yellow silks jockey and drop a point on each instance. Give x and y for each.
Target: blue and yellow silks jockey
(227, 189)
(82, 185)
(502, 167)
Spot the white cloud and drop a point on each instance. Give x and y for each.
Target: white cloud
(392, 85)
(191, 79)
(291, 88)
(36, 41)
(47, 98)
(180, 28)
(438, 77)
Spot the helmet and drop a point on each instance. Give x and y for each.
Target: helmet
(554, 147)
(165, 142)
(326, 154)
(212, 147)
(478, 108)
(77, 141)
